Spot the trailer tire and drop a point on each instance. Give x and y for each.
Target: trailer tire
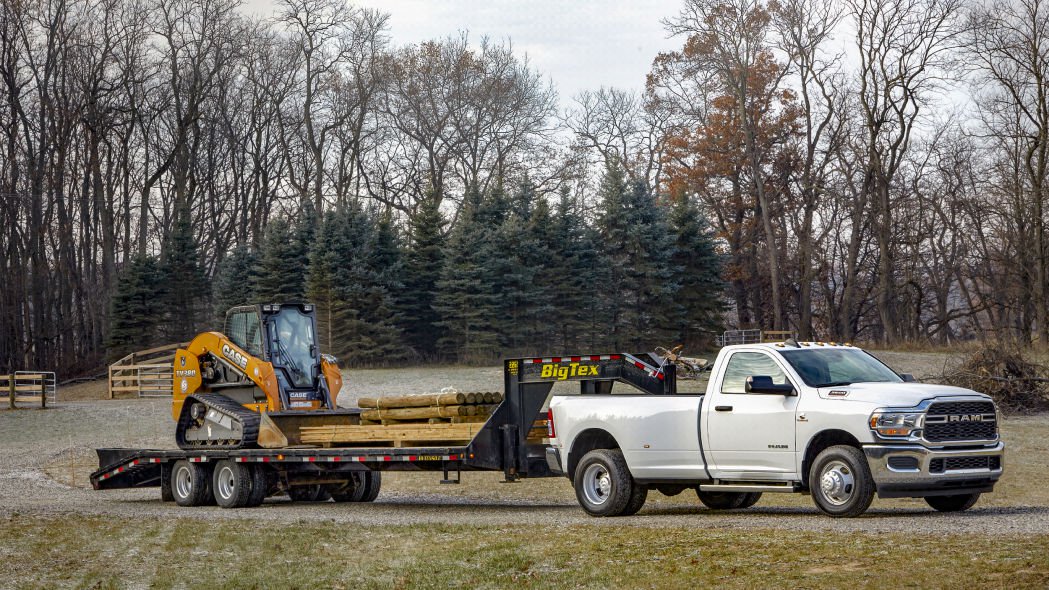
(603, 484)
(840, 482)
(310, 493)
(722, 500)
(191, 484)
(231, 483)
(372, 485)
(259, 486)
(958, 503)
(165, 484)
(351, 491)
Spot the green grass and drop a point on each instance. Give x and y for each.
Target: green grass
(90, 552)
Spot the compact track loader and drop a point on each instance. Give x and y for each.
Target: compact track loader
(257, 383)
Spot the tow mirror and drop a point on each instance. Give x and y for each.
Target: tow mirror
(908, 378)
(764, 384)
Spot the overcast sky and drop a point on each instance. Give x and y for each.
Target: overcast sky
(579, 44)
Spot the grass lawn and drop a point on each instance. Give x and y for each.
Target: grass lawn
(98, 553)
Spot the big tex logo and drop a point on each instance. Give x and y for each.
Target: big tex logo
(562, 372)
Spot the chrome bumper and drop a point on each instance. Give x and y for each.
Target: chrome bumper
(920, 481)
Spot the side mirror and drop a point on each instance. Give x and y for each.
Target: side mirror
(908, 378)
(764, 384)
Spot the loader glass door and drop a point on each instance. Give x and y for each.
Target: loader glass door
(294, 346)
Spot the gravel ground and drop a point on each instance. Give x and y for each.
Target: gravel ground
(46, 455)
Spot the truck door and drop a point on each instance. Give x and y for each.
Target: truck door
(751, 435)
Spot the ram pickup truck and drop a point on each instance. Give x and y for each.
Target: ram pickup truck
(828, 420)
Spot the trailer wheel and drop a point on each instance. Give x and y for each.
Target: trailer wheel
(259, 486)
(165, 484)
(722, 500)
(603, 484)
(840, 482)
(956, 503)
(191, 484)
(231, 483)
(311, 493)
(372, 485)
(351, 491)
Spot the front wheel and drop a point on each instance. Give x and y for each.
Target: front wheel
(603, 484)
(840, 482)
(952, 503)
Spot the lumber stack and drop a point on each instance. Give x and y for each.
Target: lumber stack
(431, 408)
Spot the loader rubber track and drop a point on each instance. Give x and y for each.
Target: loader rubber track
(248, 420)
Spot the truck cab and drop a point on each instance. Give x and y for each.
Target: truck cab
(825, 419)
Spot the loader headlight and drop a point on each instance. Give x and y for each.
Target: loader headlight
(888, 423)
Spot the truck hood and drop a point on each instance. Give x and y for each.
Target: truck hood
(903, 395)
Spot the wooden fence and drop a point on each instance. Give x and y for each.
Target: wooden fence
(29, 387)
(146, 373)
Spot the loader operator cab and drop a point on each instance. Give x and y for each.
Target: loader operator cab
(284, 335)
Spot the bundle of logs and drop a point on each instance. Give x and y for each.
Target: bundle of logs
(431, 408)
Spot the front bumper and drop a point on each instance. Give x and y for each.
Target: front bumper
(901, 471)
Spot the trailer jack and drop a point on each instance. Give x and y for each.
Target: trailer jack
(458, 474)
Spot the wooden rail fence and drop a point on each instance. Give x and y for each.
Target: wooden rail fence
(29, 387)
(146, 373)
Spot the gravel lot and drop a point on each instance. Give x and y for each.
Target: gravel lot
(45, 457)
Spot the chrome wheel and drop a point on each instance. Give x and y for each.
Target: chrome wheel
(597, 484)
(224, 483)
(183, 482)
(837, 482)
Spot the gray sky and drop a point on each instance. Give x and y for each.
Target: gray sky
(579, 44)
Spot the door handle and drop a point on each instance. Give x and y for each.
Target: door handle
(723, 408)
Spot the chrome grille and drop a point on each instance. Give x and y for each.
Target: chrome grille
(957, 421)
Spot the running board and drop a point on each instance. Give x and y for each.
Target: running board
(725, 487)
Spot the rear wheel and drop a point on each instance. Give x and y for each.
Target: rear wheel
(952, 503)
(351, 491)
(750, 500)
(259, 486)
(603, 484)
(232, 484)
(191, 484)
(311, 493)
(722, 500)
(372, 485)
(637, 500)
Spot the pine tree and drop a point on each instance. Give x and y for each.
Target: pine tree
(423, 264)
(234, 280)
(135, 308)
(283, 260)
(697, 267)
(466, 298)
(184, 294)
(574, 273)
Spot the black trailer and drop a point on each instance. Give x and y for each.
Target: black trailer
(352, 473)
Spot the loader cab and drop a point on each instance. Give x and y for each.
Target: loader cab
(286, 336)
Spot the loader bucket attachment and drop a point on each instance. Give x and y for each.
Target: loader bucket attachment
(280, 430)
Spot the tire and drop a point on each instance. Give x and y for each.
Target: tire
(638, 495)
(750, 499)
(351, 491)
(165, 485)
(722, 500)
(231, 482)
(603, 484)
(259, 486)
(312, 493)
(191, 484)
(372, 485)
(957, 503)
(840, 482)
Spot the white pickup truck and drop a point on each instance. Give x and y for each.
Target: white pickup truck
(828, 420)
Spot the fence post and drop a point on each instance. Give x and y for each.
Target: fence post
(43, 393)
(11, 389)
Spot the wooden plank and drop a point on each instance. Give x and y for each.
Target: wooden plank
(395, 434)
(161, 349)
(145, 366)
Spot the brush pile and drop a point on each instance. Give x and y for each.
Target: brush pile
(1017, 385)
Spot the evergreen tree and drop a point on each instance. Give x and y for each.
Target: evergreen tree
(637, 245)
(234, 280)
(465, 298)
(283, 260)
(574, 274)
(135, 308)
(184, 294)
(697, 267)
(423, 264)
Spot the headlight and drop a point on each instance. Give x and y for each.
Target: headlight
(895, 423)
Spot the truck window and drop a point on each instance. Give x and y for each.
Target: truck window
(747, 364)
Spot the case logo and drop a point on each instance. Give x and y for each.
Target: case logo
(238, 359)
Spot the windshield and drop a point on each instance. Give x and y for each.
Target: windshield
(829, 367)
(294, 344)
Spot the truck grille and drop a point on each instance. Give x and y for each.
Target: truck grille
(960, 421)
(959, 463)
